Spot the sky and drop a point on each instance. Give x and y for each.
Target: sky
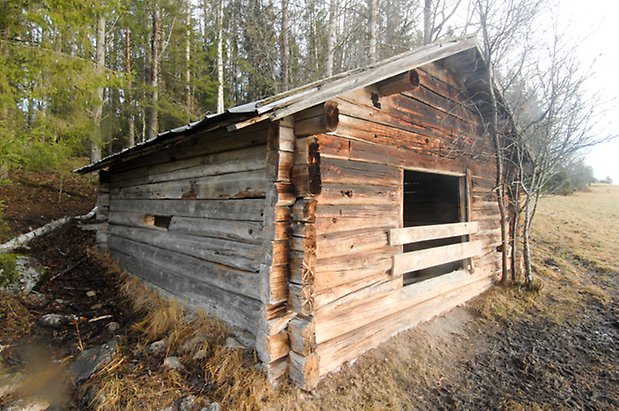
(595, 27)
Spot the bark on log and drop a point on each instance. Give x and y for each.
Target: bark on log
(23, 239)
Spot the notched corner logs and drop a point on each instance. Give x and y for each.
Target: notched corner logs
(406, 81)
(318, 119)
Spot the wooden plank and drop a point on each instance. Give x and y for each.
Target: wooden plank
(243, 231)
(244, 159)
(347, 347)
(339, 171)
(351, 242)
(234, 254)
(249, 184)
(346, 269)
(235, 309)
(364, 289)
(245, 210)
(224, 278)
(331, 323)
(349, 194)
(418, 260)
(399, 236)
(201, 143)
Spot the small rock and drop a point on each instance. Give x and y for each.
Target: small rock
(92, 360)
(113, 326)
(96, 307)
(157, 349)
(187, 403)
(233, 343)
(35, 299)
(214, 406)
(57, 320)
(168, 408)
(26, 275)
(59, 301)
(172, 363)
(91, 293)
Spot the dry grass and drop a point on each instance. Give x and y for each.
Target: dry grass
(212, 371)
(575, 239)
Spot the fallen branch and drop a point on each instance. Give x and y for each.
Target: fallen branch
(23, 239)
(68, 269)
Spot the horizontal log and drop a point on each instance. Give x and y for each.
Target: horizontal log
(244, 159)
(357, 172)
(200, 144)
(347, 269)
(348, 194)
(235, 281)
(237, 310)
(236, 210)
(250, 184)
(347, 347)
(237, 255)
(333, 323)
(406, 81)
(243, 231)
(320, 119)
(304, 210)
(350, 242)
(364, 289)
(399, 236)
(418, 260)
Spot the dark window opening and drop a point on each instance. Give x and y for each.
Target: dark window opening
(431, 199)
(161, 221)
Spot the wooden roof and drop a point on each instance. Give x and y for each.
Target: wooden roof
(461, 56)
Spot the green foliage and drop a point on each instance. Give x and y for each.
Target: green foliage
(8, 274)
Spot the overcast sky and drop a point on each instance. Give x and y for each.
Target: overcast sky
(595, 26)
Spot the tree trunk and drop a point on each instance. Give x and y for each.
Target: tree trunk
(129, 89)
(152, 126)
(96, 142)
(427, 22)
(331, 37)
(284, 46)
(373, 23)
(526, 245)
(188, 103)
(220, 57)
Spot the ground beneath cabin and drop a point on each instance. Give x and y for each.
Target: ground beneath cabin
(508, 349)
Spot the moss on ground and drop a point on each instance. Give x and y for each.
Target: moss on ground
(8, 274)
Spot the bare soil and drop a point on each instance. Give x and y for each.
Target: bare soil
(508, 349)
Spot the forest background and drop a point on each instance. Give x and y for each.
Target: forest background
(86, 79)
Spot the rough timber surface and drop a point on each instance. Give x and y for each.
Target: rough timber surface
(342, 283)
(210, 194)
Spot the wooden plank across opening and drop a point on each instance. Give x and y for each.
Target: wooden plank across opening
(399, 236)
(418, 260)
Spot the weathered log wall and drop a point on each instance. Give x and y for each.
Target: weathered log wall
(191, 220)
(341, 284)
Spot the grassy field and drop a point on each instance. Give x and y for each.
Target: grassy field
(555, 348)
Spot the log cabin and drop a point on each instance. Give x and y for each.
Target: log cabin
(319, 222)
